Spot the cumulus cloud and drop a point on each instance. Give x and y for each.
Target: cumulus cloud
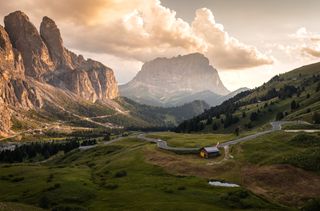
(140, 30)
(227, 52)
(308, 43)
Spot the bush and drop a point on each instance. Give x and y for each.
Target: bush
(121, 173)
(316, 118)
(17, 179)
(312, 205)
(254, 116)
(111, 186)
(279, 116)
(181, 188)
(44, 202)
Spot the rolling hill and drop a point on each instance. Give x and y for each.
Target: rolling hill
(294, 95)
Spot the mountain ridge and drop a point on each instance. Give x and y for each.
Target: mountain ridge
(163, 80)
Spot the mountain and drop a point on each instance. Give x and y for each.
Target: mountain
(175, 81)
(294, 95)
(42, 84)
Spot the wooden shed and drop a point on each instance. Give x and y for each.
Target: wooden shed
(209, 152)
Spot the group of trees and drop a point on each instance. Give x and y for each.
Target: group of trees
(227, 108)
(42, 149)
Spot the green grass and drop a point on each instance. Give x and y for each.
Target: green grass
(302, 151)
(95, 179)
(191, 140)
(11, 206)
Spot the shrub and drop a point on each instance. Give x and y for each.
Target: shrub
(121, 173)
(316, 118)
(279, 116)
(17, 179)
(181, 188)
(44, 202)
(111, 186)
(312, 205)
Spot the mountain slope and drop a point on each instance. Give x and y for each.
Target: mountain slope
(171, 81)
(43, 85)
(291, 96)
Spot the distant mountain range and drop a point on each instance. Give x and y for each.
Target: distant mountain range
(176, 81)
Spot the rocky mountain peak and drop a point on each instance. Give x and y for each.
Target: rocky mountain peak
(165, 81)
(26, 39)
(190, 72)
(51, 35)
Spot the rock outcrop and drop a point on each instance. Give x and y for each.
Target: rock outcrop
(50, 34)
(165, 81)
(88, 79)
(27, 40)
(14, 90)
(30, 60)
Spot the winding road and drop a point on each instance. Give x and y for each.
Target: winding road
(276, 126)
(162, 144)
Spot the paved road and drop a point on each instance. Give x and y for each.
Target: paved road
(164, 145)
(161, 144)
(276, 126)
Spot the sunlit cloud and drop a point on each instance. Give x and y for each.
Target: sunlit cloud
(141, 30)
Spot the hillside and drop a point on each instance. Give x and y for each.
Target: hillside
(294, 95)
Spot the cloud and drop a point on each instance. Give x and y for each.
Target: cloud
(226, 52)
(140, 30)
(312, 51)
(310, 42)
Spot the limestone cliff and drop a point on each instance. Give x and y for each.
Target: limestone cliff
(30, 60)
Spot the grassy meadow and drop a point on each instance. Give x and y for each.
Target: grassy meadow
(117, 177)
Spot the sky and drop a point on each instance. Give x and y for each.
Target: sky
(247, 41)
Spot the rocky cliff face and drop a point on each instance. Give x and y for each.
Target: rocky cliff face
(26, 39)
(164, 80)
(14, 90)
(28, 58)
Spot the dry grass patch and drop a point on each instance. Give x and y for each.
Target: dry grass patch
(283, 183)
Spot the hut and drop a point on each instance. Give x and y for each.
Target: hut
(209, 152)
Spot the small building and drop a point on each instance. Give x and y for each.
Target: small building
(209, 152)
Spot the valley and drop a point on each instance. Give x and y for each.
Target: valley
(173, 137)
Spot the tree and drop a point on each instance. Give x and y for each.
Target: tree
(294, 105)
(254, 116)
(308, 96)
(279, 116)
(215, 126)
(209, 121)
(237, 131)
(318, 87)
(316, 118)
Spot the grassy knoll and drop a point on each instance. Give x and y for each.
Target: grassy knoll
(192, 140)
(300, 150)
(116, 177)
